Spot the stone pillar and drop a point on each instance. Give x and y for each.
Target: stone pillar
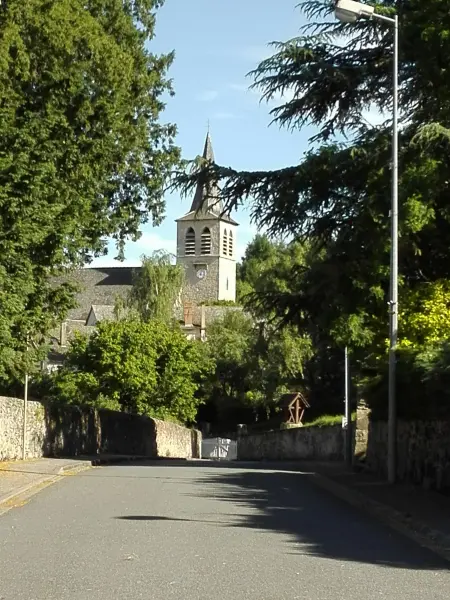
(63, 334)
(202, 322)
(361, 431)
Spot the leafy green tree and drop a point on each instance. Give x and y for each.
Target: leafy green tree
(277, 277)
(229, 346)
(157, 287)
(338, 197)
(143, 368)
(83, 155)
(423, 357)
(426, 315)
(254, 365)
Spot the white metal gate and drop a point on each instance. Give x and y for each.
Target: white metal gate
(219, 449)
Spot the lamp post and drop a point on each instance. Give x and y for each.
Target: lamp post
(349, 11)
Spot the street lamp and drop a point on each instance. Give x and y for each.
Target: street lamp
(349, 11)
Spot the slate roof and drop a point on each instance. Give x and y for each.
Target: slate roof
(205, 215)
(99, 286)
(207, 197)
(102, 312)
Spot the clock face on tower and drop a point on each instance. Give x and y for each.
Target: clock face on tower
(201, 273)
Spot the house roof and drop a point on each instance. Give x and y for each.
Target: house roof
(99, 287)
(102, 312)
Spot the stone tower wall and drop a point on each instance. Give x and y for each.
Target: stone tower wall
(220, 280)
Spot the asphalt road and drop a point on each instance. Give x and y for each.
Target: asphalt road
(162, 531)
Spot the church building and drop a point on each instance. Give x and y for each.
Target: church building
(206, 248)
(206, 245)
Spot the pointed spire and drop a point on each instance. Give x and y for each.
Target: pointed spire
(207, 199)
(208, 152)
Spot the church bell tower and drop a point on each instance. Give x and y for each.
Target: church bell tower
(206, 245)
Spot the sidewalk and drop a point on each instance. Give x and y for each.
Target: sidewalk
(19, 480)
(421, 515)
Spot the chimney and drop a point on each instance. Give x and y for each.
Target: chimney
(63, 334)
(188, 314)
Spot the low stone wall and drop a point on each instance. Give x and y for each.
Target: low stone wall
(301, 443)
(11, 428)
(423, 449)
(75, 431)
(174, 440)
(423, 452)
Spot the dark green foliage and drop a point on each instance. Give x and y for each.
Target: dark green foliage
(275, 287)
(254, 365)
(423, 384)
(83, 156)
(337, 199)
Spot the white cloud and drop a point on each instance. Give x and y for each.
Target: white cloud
(248, 230)
(149, 242)
(276, 100)
(374, 117)
(240, 87)
(207, 95)
(240, 251)
(108, 262)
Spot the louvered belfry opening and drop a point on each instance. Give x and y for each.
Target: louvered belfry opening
(206, 241)
(230, 244)
(189, 245)
(225, 243)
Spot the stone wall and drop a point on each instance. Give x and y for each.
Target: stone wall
(74, 431)
(423, 449)
(361, 433)
(423, 452)
(11, 428)
(174, 440)
(301, 443)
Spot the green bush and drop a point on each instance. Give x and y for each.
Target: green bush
(142, 368)
(328, 420)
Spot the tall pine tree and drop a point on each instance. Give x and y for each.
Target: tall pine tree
(339, 196)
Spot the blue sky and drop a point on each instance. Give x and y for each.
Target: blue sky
(217, 42)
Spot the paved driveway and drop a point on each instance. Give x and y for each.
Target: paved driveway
(164, 531)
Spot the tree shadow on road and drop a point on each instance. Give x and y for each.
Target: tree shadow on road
(315, 522)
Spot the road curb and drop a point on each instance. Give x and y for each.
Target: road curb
(406, 525)
(98, 462)
(27, 491)
(73, 469)
(30, 489)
